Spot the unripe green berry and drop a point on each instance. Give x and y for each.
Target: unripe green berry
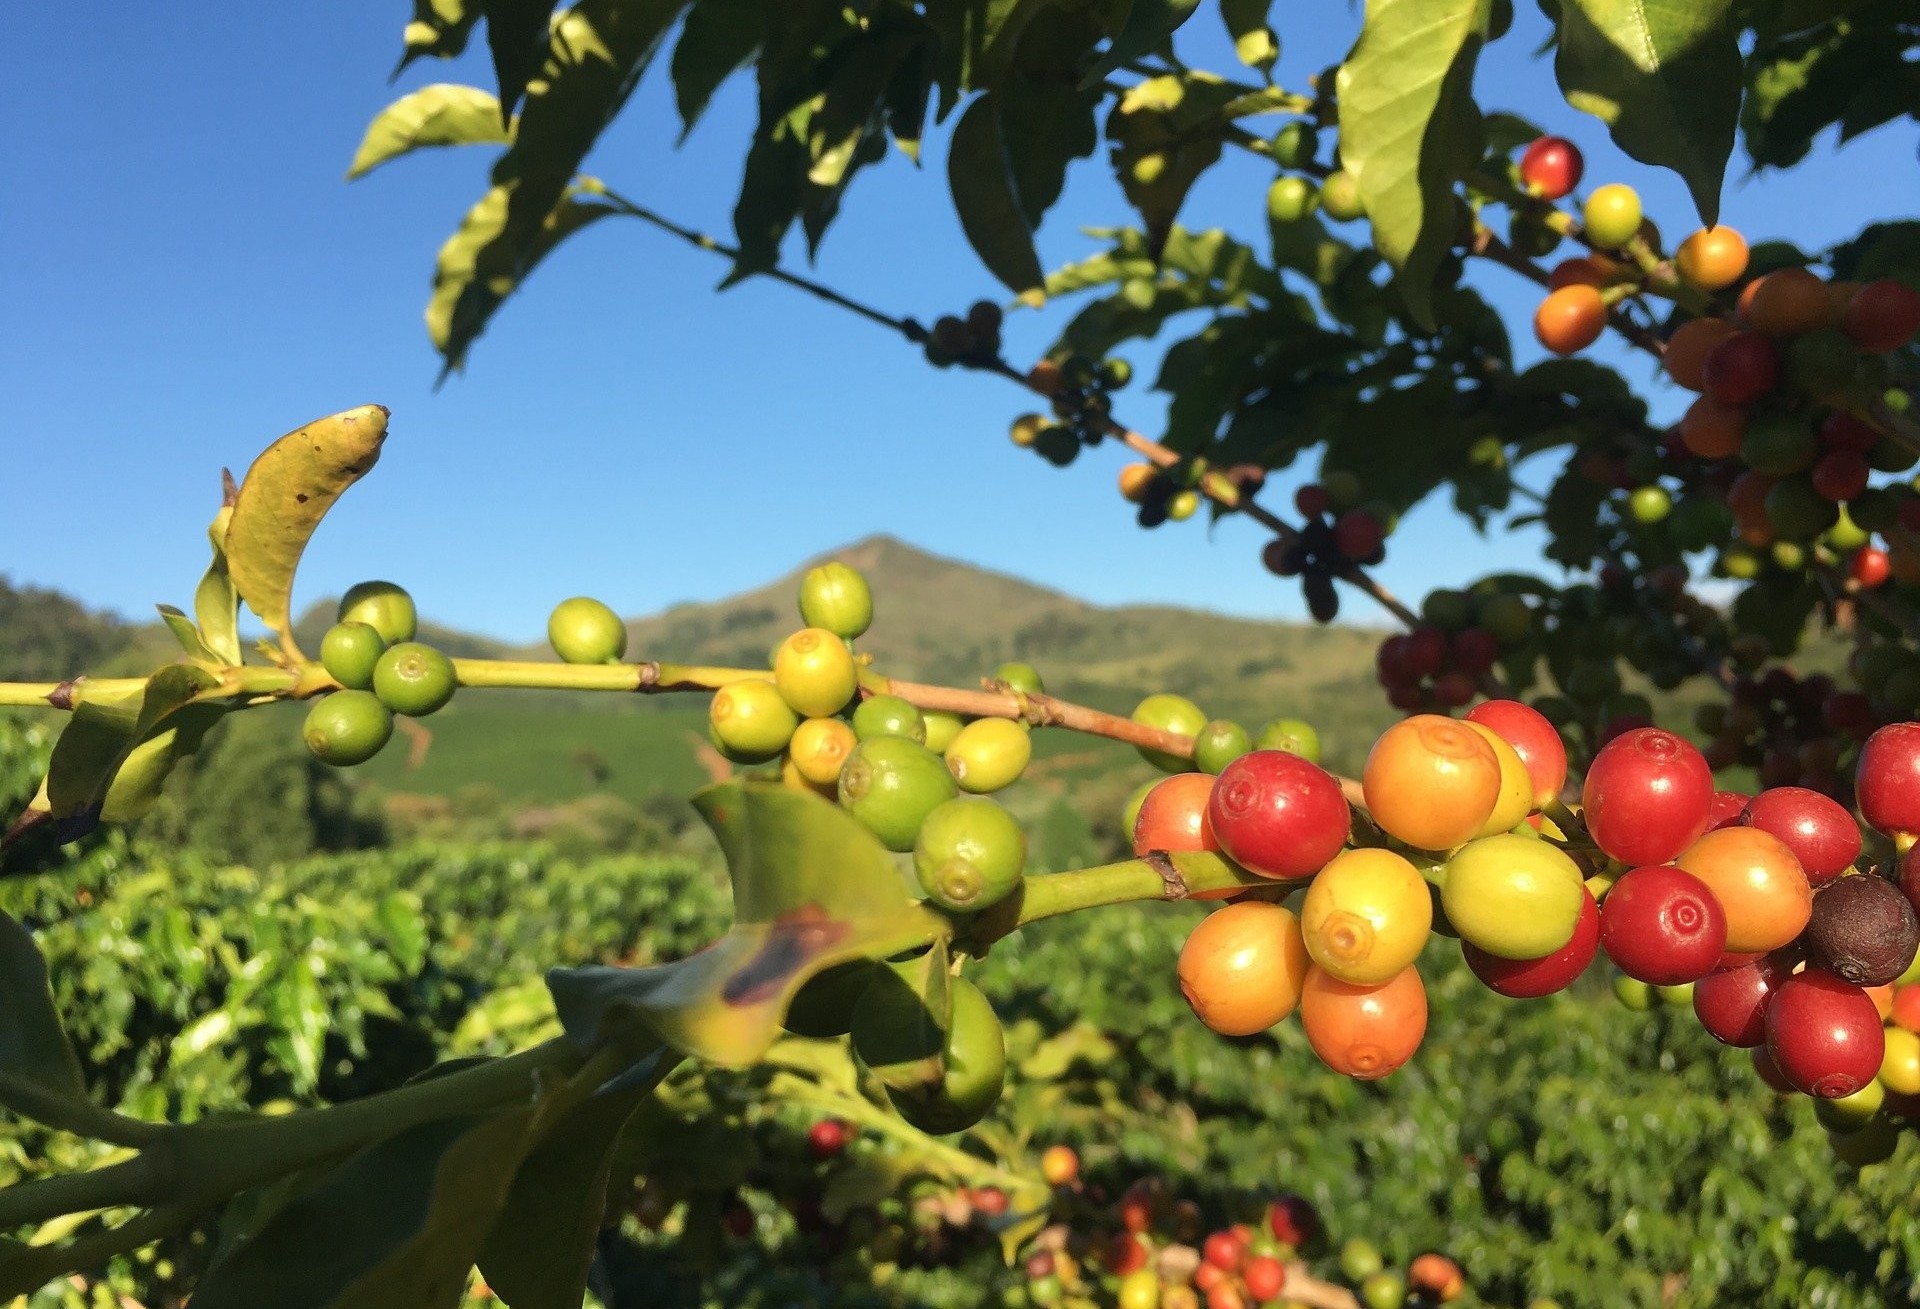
(382, 605)
(751, 720)
(815, 672)
(1021, 677)
(1296, 144)
(988, 754)
(837, 598)
(1293, 735)
(582, 630)
(413, 679)
(888, 715)
(1219, 743)
(969, 854)
(1169, 713)
(891, 784)
(941, 728)
(1340, 197)
(347, 727)
(349, 651)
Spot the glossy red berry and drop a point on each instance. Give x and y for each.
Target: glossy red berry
(1225, 1250)
(1819, 831)
(1870, 566)
(1726, 809)
(1887, 781)
(1731, 1003)
(1551, 167)
(1663, 926)
(827, 1138)
(1265, 1277)
(1646, 796)
(1824, 1034)
(1278, 815)
(1741, 368)
(1533, 738)
(1527, 979)
(1358, 534)
(1883, 315)
(1293, 1221)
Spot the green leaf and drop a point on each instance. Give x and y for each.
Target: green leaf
(216, 604)
(439, 115)
(34, 1050)
(1149, 26)
(907, 99)
(1409, 130)
(1254, 42)
(595, 56)
(517, 39)
(718, 38)
(185, 633)
(1053, 125)
(538, 1253)
(978, 39)
(282, 499)
(483, 263)
(416, 1206)
(980, 175)
(1165, 132)
(811, 888)
(439, 28)
(1664, 76)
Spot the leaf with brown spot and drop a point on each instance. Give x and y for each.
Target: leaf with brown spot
(811, 888)
(283, 497)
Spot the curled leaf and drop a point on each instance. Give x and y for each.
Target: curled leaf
(282, 499)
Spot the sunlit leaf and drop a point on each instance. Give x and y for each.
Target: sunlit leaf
(812, 888)
(443, 114)
(480, 265)
(283, 497)
(1165, 132)
(439, 28)
(1409, 128)
(185, 633)
(1664, 76)
(216, 604)
(1254, 42)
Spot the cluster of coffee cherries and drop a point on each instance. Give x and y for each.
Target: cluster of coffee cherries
(1339, 533)
(971, 341)
(1795, 731)
(1438, 664)
(381, 670)
(1081, 391)
(1149, 1249)
(1173, 492)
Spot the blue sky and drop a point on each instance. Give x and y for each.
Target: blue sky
(186, 276)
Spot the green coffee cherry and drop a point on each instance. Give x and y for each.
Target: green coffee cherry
(1021, 677)
(383, 606)
(413, 679)
(1169, 713)
(815, 672)
(750, 720)
(1296, 144)
(1130, 812)
(1290, 199)
(1340, 197)
(891, 784)
(1292, 735)
(888, 715)
(988, 754)
(347, 727)
(941, 728)
(1508, 617)
(836, 598)
(1218, 744)
(975, 1058)
(584, 631)
(969, 854)
(349, 651)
